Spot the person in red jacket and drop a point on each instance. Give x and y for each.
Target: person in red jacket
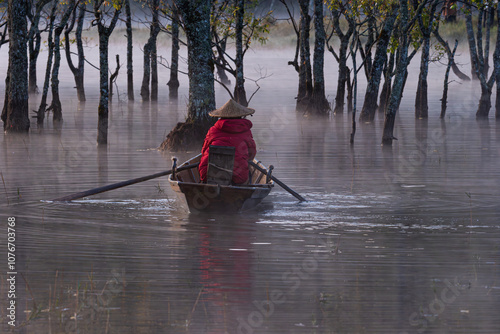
(231, 130)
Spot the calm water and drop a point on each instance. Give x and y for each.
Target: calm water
(404, 240)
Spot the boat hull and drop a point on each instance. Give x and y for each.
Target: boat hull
(213, 198)
(201, 197)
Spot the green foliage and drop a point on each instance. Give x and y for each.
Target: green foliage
(361, 8)
(440, 52)
(223, 20)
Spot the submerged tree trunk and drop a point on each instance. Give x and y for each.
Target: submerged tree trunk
(370, 103)
(130, 68)
(444, 99)
(15, 112)
(478, 65)
(103, 108)
(342, 78)
(421, 103)
(173, 83)
(344, 73)
(240, 94)
(113, 77)
(401, 71)
(43, 103)
(350, 95)
(318, 103)
(496, 69)
(305, 74)
(56, 106)
(78, 71)
(355, 88)
(34, 43)
(191, 134)
(154, 52)
(150, 60)
(386, 88)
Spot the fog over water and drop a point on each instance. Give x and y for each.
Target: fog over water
(399, 240)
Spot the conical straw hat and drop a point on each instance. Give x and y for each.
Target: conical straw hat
(232, 109)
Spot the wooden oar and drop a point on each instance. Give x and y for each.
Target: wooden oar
(284, 186)
(119, 185)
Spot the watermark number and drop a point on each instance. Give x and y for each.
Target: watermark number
(11, 273)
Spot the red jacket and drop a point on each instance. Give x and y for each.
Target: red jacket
(230, 132)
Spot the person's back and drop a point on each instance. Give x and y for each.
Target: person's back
(231, 130)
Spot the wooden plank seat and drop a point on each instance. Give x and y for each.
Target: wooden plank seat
(220, 164)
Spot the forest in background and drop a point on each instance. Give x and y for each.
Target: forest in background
(374, 39)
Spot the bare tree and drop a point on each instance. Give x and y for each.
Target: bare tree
(34, 43)
(421, 104)
(104, 34)
(78, 70)
(479, 57)
(173, 83)
(130, 49)
(370, 102)
(318, 104)
(341, 57)
(150, 57)
(239, 88)
(40, 114)
(405, 24)
(56, 106)
(305, 72)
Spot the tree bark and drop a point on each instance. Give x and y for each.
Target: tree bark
(150, 61)
(15, 113)
(401, 70)
(343, 77)
(318, 104)
(421, 103)
(78, 71)
(103, 108)
(370, 102)
(173, 83)
(56, 106)
(386, 88)
(34, 43)
(113, 77)
(196, 18)
(240, 95)
(200, 63)
(444, 99)
(130, 50)
(154, 52)
(477, 58)
(367, 54)
(305, 73)
(50, 41)
(496, 70)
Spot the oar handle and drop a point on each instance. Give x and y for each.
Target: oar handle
(119, 185)
(284, 186)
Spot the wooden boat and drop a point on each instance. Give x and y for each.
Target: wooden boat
(210, 197)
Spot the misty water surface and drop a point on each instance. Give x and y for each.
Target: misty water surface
(400, 240)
